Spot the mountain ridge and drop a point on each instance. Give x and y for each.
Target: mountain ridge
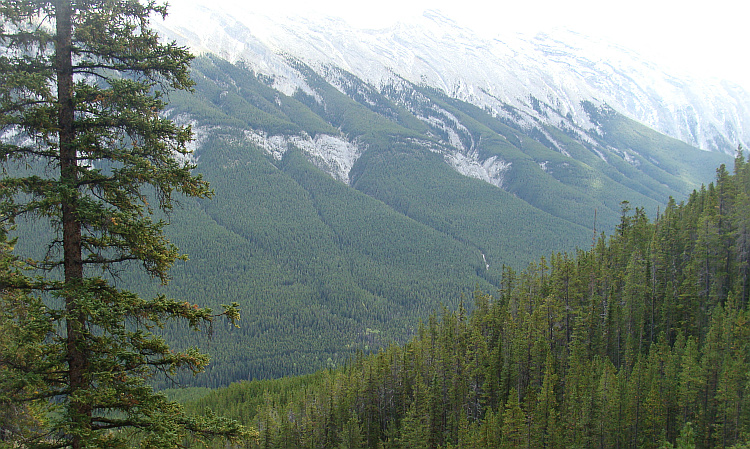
(435, 51)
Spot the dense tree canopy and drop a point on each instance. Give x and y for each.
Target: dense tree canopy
(88, 159)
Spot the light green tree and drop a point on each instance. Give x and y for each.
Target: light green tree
(514, 423)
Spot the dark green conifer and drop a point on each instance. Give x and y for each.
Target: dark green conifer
(87, 152)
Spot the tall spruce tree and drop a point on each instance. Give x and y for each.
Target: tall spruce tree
(85, 149)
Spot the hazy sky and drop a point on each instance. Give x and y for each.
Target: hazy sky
(706, 38)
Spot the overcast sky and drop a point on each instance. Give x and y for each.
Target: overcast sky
(706, 38)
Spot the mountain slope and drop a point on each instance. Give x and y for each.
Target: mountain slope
(343, 215)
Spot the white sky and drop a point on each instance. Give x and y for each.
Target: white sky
(706, 38)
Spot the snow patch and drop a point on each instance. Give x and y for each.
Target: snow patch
(560, 69)
(10, 133)
(453, 138)
(600, 154)
(491, 170)
(630, 159)
(14, 135)
(332, 154)
(449, 124)
(200, 134)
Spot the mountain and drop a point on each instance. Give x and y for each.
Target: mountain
(351, 201)
(545, 77)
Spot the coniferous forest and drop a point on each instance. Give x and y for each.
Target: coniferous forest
(640, 341)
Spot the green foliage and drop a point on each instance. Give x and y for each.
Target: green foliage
(229, 95)
(314, 258)
(570, 178)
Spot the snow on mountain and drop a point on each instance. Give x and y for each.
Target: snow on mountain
(491, 170)
(545, 78)
(332, 154)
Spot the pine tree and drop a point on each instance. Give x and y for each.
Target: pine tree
(514, 423)
(686, 440)
(546, 431)
(351, 435)
(87, 151)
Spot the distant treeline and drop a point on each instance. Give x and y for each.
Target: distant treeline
(641, 341)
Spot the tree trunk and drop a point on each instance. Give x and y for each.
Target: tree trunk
(73, 265)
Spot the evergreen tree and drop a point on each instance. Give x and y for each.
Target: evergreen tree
(514, 423)
(17, 322)
(87, 152)
(546, 431)
(416, 432)
(351, 435)
(686, 440)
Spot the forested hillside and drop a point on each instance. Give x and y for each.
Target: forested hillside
(640, 341)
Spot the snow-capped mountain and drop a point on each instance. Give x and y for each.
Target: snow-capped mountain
(450, 157)
(545, 78)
